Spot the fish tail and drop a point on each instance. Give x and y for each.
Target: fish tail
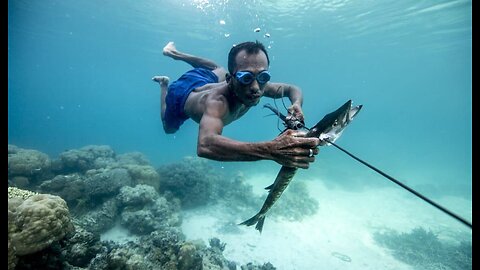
(257, 219)
(251, 221)
(259, 226)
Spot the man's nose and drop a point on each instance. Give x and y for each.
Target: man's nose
(255, 87)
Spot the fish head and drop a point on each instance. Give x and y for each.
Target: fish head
(330, 128)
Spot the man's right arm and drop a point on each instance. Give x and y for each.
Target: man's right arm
(289, 149)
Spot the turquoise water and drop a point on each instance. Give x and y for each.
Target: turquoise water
(79, 73)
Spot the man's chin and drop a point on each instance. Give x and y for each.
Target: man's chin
(253, 104)
(253, 101)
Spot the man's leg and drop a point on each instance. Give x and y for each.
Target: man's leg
(163, 81)
(171, 51)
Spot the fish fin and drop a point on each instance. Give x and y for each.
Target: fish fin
(270, 187)
(251, 221)
(259, 226)
(257, 219)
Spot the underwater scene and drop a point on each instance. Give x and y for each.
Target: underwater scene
(96, 179)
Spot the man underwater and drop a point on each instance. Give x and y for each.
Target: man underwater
(214, 98)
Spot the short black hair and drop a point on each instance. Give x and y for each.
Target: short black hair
(249, 46)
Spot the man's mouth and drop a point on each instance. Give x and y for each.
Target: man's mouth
(253, 97)
(253, 100)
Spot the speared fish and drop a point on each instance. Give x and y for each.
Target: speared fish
(327, 130)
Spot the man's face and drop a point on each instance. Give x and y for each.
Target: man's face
(250, 94)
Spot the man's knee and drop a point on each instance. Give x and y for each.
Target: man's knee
(168, 129)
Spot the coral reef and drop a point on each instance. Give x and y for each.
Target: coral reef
(70, 187)
(196, 183)
(423, 250)
(215, 243)
(27, 165)
(137, 196)
(94, 174)
(85, 158)
(133, 158)
(295, 203)
(49, 258)
(189, 258)
(79, 249)
(143, 174)
(23, 194)
(155, 216)
(12, 256)
(106, 182)
(102, 190)
(191, 181)
(237, 195)
(143, 210)
(35, 221)
(101, 218)
(251, 266)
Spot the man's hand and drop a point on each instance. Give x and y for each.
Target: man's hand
(295, 112)
(292, 149)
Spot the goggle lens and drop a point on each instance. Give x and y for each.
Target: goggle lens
(247, 77)
(263, 77)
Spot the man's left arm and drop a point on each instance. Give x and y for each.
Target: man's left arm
(279, 90)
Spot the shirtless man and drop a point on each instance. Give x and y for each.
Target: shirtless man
(214, 98)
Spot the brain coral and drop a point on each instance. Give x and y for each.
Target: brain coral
(36, 220)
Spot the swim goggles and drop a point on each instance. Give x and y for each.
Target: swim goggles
(247, 77)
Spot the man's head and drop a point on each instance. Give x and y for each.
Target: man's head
(250, 47)
(248, 71)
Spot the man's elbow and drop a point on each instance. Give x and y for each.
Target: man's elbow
(207, 147)
(203, 150)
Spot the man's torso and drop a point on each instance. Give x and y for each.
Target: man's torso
(196, 102)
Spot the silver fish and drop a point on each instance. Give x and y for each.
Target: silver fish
(328, 130)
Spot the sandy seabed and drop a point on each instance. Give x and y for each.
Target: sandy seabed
(338, 236)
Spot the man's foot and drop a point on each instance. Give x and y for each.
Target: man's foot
(162, 80)
(170, 49)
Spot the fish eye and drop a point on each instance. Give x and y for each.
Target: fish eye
(335, 123)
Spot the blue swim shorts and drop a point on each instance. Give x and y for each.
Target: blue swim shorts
(178, 92)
